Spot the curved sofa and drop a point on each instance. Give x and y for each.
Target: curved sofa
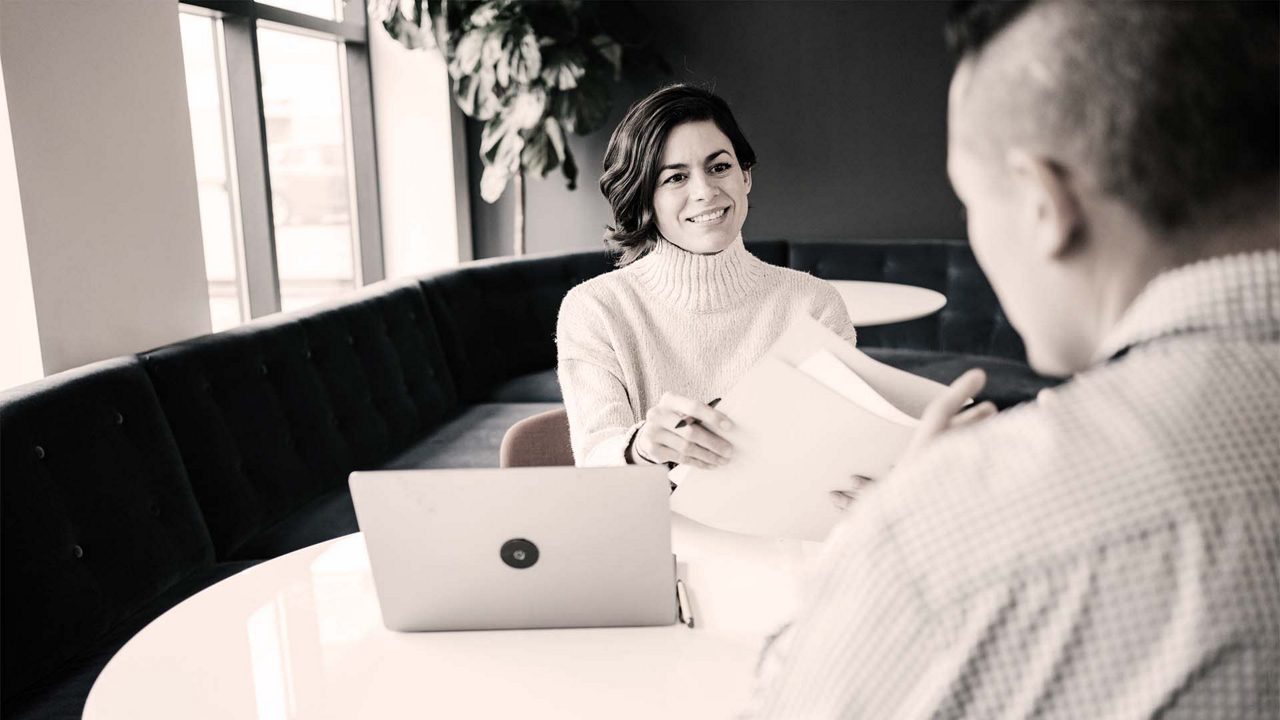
(128, 485)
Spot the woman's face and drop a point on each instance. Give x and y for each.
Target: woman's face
(701, 199)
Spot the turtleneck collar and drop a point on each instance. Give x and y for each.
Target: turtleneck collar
(699, 283)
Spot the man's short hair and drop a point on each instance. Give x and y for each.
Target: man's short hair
(1170, 107)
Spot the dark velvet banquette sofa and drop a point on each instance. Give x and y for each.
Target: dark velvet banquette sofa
(133, 483)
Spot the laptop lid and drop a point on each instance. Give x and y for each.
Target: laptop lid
(480, 549)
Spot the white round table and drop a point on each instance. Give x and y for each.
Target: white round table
(881, 303)
(301, 636)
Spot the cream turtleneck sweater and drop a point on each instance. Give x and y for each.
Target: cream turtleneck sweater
(673, 321)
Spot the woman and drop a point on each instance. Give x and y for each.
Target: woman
(644, 348)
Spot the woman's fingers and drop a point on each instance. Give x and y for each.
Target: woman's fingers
(699, 435)
(841, 499)
(702, 412)
(673, 447)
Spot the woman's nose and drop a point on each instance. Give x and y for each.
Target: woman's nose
(702, 188)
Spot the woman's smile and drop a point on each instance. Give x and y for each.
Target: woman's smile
(710, 217)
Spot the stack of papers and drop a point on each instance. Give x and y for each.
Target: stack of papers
(811, 414)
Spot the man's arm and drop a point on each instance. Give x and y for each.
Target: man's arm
(860, 641)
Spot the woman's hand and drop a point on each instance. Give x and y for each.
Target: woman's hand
(664, 437)
(845, 496)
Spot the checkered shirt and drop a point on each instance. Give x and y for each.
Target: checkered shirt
(1110, 552)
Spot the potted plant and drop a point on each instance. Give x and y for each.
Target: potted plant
(530, 71)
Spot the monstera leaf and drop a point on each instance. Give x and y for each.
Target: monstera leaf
(531, 71)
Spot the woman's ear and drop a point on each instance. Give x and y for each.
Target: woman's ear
(1050, 199)
(747, 175)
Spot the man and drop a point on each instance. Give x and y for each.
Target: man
(1113, 549)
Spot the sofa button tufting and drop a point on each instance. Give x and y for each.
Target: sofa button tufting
(39, 452)
(77, 551)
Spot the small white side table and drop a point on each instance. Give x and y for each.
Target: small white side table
(880, 303)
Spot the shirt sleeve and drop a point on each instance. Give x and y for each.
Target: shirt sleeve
(601, 419)
(859, 641)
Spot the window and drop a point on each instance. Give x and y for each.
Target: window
(281, 124)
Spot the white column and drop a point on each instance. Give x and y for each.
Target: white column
(101, 141)
(20, 363)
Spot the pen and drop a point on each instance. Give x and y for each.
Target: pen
(688, 421)
(682, 599)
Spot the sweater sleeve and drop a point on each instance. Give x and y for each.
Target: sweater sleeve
(829, 309)
(601, 420)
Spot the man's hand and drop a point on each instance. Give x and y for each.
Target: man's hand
(664, 438)
(944, 412)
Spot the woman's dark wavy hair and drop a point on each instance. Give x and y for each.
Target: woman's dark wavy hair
(631, 161)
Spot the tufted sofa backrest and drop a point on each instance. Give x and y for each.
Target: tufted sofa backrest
(971, 322)
(497, 318)
(270, 415)
(98, 514)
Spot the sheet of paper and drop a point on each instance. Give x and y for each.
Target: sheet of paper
(794, 442)
(796, 439)
(909, 393)
(835, 375)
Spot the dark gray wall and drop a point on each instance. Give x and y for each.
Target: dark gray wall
(844, 103)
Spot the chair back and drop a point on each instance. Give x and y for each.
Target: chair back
(540, 440)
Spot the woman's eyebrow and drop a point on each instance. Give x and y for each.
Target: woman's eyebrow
(682, 166)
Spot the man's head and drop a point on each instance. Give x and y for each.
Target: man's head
(1095, 144)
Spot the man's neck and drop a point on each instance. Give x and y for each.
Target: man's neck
(1133, 257)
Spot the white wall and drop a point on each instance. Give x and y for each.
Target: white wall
(101, 139)
(425, 219)
(20, 362)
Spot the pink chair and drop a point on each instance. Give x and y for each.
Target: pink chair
(540, 440)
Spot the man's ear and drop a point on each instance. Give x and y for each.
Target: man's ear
(1048, 189)
(747, 174)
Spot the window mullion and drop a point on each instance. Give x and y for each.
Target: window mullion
(244, 82)
(364, 163)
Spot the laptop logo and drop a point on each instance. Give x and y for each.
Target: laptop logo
(519, 553)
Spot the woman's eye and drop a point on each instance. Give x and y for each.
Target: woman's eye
(672, 179)
(721, 168)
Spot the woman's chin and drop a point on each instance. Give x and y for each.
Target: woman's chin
(706, 242)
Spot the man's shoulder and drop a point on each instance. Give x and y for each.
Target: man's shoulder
(1104, 458)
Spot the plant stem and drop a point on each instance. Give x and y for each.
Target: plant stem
(519, 229)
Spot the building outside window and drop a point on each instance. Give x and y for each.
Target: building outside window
(281, 124)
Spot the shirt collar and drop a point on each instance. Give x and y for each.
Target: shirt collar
(1232, 296)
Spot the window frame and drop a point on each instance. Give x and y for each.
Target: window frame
(251, 176)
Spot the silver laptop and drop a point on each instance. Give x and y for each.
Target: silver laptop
(519, 548)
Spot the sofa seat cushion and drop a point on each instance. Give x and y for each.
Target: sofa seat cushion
(63, 694)
(1009, 382)
(542, 386)
(470, 440)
